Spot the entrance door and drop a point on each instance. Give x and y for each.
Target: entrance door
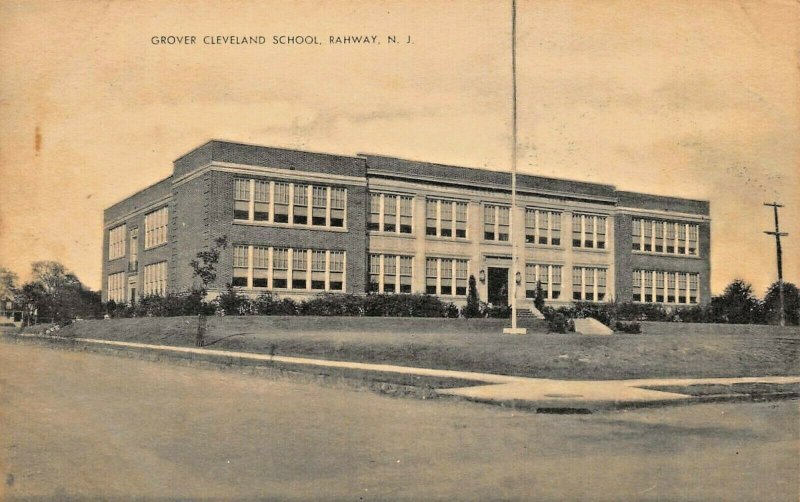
(498, 285)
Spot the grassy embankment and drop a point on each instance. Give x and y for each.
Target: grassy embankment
(676, 350)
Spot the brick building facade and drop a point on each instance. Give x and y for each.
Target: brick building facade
(301, 223)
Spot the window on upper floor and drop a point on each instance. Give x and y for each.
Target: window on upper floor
(155, 227)
(445, 218)
(664, 237)
(495, 222)
(589, 231)
(390, 213)
(542, 227)
(297, 204)
(116, 242)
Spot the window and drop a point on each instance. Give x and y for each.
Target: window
(589, 284)
(292, 269)
(390, 273)
(446, 276)
(299, 267)
(281, 192)
(155, 228)
(338, 206)
(390, 213)
(116, 287)
(133, 256)
(260, 267)
(280, 268)
(495, 223)
(336, 282)
(446, 218)
(319, 216)
(155, 279)
(116, 242)
(300, 205)
(656, 236)
(542, 227)
(318, 266)
(656, 286)
(240, 265)
(589, 231)
(549, 276)
(241, 199)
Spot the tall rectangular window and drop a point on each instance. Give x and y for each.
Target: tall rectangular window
(374, 223)
(577, 283)
(299, 267)
(133, 256)
(116, 242)
(636, 234)
(155, 279)
(241, 199)
(241, 264)
(461, 220)
(670, 238)
(155, 227)
(406, 271)
(660, 287)
(406, 214)
(281, 203)
(681, 238)
(555, 285)
(659, 234)
(319, 201)
(648, 286)
(300, 205)
(318, 267)
(693, 232)
(647, 236)
(671, 287)
(390, 213)
(446, 276)
(375, 273)
(682, 288)
(338, 206)
(261, 203)
(431, 275)
(694, 288)
(336, 271)
(637, 285)
(260, 267)
(116, 287)
(389, 274)
(280, 268)
(446, 218)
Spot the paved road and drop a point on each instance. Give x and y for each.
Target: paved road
(80, 424)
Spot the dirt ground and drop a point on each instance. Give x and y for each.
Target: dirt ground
(86, 425)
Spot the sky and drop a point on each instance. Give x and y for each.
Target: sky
(695, 99)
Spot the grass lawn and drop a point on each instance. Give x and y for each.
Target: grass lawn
(677, 351)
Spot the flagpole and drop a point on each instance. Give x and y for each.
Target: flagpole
(511, 233)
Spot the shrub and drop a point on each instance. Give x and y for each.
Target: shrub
(628, 327)
(269, 304)
(496, 311)
(414, 305)
(231, 302)
(331, 304)
(473, 306)
(558, 323)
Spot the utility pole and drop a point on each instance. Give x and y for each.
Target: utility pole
(778, 234)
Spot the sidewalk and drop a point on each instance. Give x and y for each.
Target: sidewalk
(534, 393)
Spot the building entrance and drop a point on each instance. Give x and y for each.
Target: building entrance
(498, 285)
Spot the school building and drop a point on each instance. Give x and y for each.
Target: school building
(301, 223)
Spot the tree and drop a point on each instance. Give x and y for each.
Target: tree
(538, 299)
(55, 294)
(737, 304)
(204, 266)
(8, 283)
(473, 307)
(791, 304)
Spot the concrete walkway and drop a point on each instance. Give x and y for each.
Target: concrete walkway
(500, 389)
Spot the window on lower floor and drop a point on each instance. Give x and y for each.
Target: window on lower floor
(155, 279)
(548, 276)
(589, 284)
(116, 287)
(658, 286)
(288, 268)
(446, 276)
(390, 273)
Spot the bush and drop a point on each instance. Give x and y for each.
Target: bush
(269, 304)
(414, 305)
(496, 311)
(632, 327)
(558, 323)
(331, 304)
(473, 306)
